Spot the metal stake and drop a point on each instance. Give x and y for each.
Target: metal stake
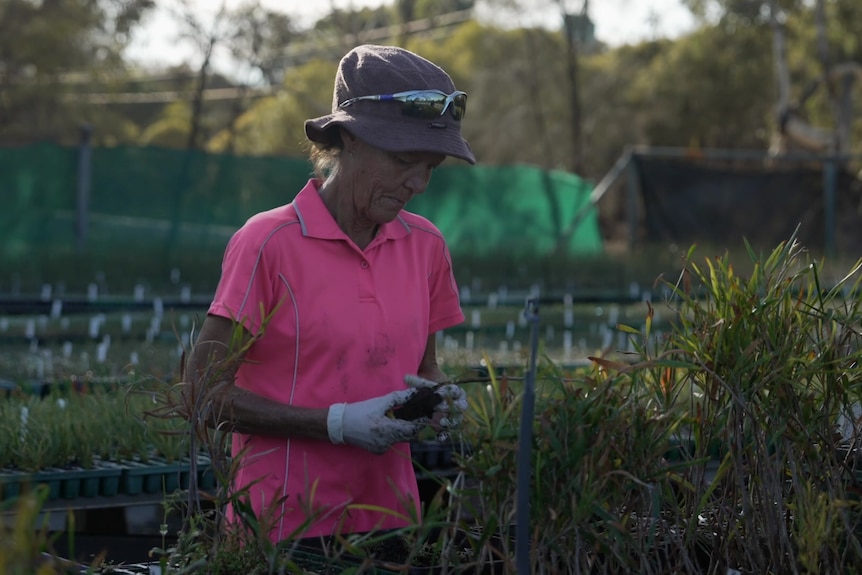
(525, 443)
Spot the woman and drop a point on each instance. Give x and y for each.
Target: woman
(325, 316)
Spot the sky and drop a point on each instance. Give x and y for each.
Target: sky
(617, 22)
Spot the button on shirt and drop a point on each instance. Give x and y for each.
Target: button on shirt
(338, 324)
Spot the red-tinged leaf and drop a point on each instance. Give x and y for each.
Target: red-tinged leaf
(608, 364)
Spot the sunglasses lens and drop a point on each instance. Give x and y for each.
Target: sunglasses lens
(432, 105)
(459, 106)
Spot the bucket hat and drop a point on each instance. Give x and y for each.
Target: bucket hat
(371, 70)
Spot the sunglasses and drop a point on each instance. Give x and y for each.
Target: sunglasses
(421, 103)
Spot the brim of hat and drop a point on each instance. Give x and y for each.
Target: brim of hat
(392, 134)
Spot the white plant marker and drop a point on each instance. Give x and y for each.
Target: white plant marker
(46, 292)
(568, 317)
(175, 275)
(186, 293)
(126, 323)
(516, 346)
(535, 290)
(158, 307)
(465, 293)
(549, 333)
(492, 300)
(139, 293)
(476, 319)
(95, 325)
(504, 347)
(67, 349)
(468, 341)
(30, 329)
(634, 290)
(92, 292)
(56, 308)
(133, 358)
(502, 292)
(613, 316)
(4, 324)
(567, 344)
(48, 358)
(85, 360)
(607, 336)
(510, 329)
(25, 416)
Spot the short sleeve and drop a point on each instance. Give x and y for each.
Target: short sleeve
(445, 309)
(244, 292)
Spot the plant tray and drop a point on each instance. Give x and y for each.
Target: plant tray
(12, 483)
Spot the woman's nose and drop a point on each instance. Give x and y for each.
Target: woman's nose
(418, 180)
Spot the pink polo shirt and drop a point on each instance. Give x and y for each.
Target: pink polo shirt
(344, 325)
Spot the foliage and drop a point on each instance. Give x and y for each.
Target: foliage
(656, 93)
(41, 44)
(60, 431)
(728, 443)
(26, 543)
(715, 87)
(775, 357)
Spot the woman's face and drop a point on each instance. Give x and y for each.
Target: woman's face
(383, 182)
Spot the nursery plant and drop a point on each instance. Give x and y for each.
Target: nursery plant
(773, 372)
(26, 545)
(718, 445)
(727, 441)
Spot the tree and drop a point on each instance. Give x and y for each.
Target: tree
(804, 92)
(710, 89)
(275, 124)
(50, 49)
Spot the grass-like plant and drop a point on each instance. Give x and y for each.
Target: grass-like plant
(728, 441)
(716, 445)
(775, 368)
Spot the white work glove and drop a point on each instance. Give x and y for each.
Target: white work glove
(453, 404)
(366, 424)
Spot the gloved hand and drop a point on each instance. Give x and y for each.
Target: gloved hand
(453, 404)
(366, 424)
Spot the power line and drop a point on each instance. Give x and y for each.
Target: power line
(164, 97)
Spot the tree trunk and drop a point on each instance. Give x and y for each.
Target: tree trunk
(576, 163)
(823, 56)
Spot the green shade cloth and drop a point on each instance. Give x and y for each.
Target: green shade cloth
(153, 197)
